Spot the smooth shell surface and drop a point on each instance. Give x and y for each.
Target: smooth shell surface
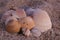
(13, 26)
(27, 22)
(35, 32)
(42, 20)
(21, 13)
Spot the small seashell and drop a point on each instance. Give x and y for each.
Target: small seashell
(21, 13)
(35, 32)
(12, 25)
(27, 24)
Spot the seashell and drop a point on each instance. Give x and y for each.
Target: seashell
(12, 25)
(8, 14)
(35, 32)
(27, 24)
(41, 19)
(21, 13)
(26, 32)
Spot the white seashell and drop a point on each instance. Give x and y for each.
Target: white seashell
(26, 32)
(42, 20)
(35, 32)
